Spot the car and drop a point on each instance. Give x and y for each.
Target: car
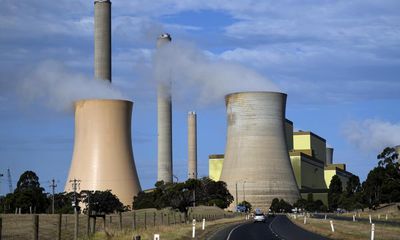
(259, 217)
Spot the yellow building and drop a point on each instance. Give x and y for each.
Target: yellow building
(307, 153)
(215, 163)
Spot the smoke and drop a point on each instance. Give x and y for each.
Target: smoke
(200, 77)
(372, 135)
(52, 84)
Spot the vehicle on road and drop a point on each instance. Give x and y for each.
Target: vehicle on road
(259, 217)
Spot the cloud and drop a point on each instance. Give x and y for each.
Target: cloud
(372, 135)
(55, 86)
(196, 76)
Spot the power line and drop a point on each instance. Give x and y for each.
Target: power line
(53, 185)
(10, 188)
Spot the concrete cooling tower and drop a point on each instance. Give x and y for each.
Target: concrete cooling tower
(257, 167)
(102, 39)
(329, 156)
(192, 145)
(164, 122)
(103, 157)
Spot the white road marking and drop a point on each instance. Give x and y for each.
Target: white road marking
(234, 230)
(270, 228)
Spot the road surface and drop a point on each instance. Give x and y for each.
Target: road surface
(279, 227)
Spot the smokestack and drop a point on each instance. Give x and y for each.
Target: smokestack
(256, 156)
(103, 156)
(102, 39)
(329, 156)
(164, 122)
(192, 145)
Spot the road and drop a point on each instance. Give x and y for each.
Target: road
(279, 227)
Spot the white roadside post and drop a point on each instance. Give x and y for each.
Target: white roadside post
(305, 219)
(204, 224)
(354, 218)
(386, 217)
(325, 216)
(194, 229)
(379, 216)
(370, 219)
(333, 229)
(156, 237)
(372, 231)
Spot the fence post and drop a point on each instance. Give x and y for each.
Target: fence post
(145, 220)
(168, 217)
(174, 219)
(58, 227)
(154, 218)
(162, 218)
(104, 223)
(1, 226)
(88, 225)
(372, 231)
(93, 230)
(134, 221)
(76, 227)
(120, 221)
(35, 227)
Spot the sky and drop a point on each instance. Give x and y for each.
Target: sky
(338, 61)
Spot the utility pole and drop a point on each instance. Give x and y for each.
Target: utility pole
(53, 185)
(1, 175)
(236, 198)
(75, 185)
(10, 188)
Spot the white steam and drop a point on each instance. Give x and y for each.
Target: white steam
(372, 135)
(199, 77)
(50, 82)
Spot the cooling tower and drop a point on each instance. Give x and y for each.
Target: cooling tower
(256, 155)
(103, 157)
(192, 145)
(164, 121)
(102, 39)
(329, 156)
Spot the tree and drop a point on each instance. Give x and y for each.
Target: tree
(246, 205)
(334, 193)
(280, 206)
(63, 202)
(29, 195)
(101, 202)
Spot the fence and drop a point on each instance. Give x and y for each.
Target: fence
(70, 226)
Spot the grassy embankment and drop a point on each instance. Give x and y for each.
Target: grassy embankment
(349, 229)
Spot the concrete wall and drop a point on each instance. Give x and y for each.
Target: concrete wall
(256, 151)
(289, 134)
(103, 156)
(329, 173)
(303, 141)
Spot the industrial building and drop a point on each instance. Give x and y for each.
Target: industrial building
(311, 161)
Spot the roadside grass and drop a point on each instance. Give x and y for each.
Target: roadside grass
(391, 216)
(348, 229)
(171, 232)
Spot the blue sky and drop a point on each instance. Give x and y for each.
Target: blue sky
(338, 61)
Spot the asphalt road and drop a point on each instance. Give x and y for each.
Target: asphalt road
(279, 227)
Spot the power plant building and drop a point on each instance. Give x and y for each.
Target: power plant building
(215, 164)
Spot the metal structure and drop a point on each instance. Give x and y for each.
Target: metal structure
(256, 152)
(192, 145)
(10, 187)
(329, 156)
(102, 39)
(164, 122)
(103, 156)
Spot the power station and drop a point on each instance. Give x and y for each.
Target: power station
(264, 158)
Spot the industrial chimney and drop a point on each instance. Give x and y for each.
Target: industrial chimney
(192, 145)
(102, 39)
(164, 121)
(329, 156)
(103, 156)
(256, 156)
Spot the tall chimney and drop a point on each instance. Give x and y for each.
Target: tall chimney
(329, 156)
(192, 145)
(103, 156)
(256, 155)
(164, 121)
(102, 39)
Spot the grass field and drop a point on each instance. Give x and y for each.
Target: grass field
(348, 229)
(172, 232)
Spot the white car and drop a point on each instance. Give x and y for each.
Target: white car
(259, 217)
